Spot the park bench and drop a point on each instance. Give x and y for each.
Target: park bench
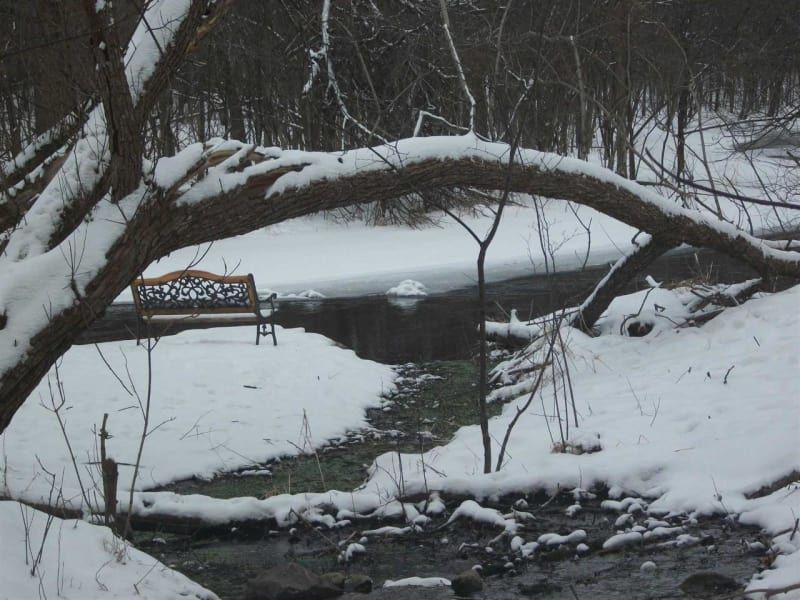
(217, 300)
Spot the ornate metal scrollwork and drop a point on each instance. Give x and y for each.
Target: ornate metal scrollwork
(191, 292)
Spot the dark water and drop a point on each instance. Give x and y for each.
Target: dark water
(444, 327)
(225, 565)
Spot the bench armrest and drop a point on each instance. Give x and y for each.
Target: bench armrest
(271, 300)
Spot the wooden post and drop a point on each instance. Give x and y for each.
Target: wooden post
(110, 473)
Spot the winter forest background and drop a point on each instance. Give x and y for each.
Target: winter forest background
(567, 71)
(400, 149)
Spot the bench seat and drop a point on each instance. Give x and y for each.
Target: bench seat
(199, 295)
(223, 317)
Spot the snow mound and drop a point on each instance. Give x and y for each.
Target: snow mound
(310, 295)
(620, 540)
(408, 288)
(474, 511)
(554, 539)
(417, 582)
(224, 404)
(642, 313)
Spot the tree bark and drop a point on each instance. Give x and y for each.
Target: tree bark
(625, 269)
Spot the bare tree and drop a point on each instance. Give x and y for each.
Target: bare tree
(102, 211)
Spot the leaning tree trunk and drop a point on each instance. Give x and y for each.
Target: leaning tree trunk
(609, 287)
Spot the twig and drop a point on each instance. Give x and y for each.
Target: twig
(143, 436)
(725, 380)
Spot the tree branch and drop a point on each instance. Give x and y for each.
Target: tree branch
(235, 197)
(90, 168)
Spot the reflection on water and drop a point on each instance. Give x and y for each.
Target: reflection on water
(440, 327)
(444, 327)
(405, 304)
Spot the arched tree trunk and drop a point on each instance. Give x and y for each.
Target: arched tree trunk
(240, 188)
(101, 216)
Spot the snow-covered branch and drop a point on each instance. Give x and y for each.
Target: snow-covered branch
(324, 53)
(168, 30)
(295, 182)
(459, 68)
(23, 167)
(217, 190)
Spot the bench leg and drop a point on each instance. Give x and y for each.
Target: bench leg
(265, 329)
(272, 320)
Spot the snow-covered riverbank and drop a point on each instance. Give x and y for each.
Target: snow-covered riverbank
(219, 403)
(694, 420)
(688, 421)
(697, 420)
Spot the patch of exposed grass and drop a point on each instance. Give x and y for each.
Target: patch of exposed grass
(425, 413)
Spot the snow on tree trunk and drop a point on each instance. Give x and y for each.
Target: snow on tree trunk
(94, 228)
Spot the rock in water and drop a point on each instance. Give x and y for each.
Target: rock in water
(707, 583)
(648, 567)
(290, 582)
(358, 583)
(467, 583)
(335, 579)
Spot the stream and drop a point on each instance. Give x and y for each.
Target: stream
(426, 412)
(435, 338)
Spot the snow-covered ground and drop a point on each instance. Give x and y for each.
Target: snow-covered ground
(74, 560)
(670, 425)
(350, 259)
(692, 419)
(219, 402)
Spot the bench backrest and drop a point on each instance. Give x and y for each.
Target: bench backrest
(194, 292)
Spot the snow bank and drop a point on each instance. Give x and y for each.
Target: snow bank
(347, 259)
(219, 403)
(80, 561)
(669, 425)
(681, 432)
